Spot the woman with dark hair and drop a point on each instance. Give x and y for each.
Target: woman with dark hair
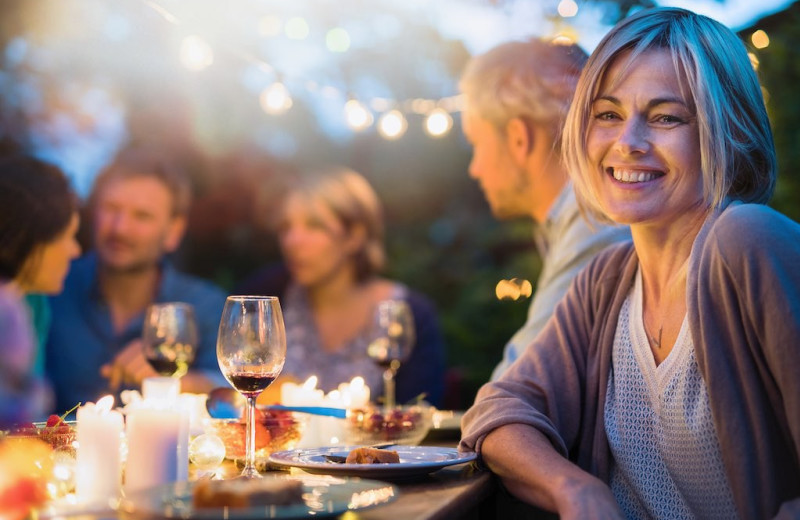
(665, 384)
(38, 224)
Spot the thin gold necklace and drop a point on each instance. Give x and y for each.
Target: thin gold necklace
(656, 341)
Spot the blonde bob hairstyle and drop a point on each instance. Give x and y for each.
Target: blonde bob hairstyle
(718, 81)
(353, 201)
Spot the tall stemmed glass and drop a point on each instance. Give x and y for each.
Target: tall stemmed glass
(169, 337)
(251, 350)
(393, 338)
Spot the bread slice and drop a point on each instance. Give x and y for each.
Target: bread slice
(367, 455)
(242, 492)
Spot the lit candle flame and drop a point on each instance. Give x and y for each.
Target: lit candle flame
(311, 383)
(105, 404)
(357, 383)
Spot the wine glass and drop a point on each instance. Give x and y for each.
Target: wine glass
(393, 338)
(251, 350)
(169, 337)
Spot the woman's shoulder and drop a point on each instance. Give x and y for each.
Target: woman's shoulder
(752, 224)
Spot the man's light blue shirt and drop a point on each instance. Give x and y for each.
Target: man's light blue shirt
(566, 243)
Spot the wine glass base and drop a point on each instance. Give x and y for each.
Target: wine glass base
(251, 472)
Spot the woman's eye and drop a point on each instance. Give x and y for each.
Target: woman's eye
(668, 119)
(606, 116)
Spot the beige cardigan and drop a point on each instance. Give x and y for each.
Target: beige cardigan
(743, 295)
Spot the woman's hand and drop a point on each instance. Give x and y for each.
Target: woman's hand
(590, 498)
(533, 471)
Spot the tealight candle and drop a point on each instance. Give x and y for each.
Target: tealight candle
(98, 474)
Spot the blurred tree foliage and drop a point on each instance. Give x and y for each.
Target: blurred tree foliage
(779, 71)
(441, 237)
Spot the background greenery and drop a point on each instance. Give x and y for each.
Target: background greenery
(441, 238)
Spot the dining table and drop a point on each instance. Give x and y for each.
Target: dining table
(462, 491)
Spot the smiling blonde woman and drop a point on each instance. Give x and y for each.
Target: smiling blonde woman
(665, 385)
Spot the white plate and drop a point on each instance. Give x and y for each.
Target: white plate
(322, 496)
(414, 460)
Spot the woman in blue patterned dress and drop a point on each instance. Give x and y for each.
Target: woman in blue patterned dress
(330, 231)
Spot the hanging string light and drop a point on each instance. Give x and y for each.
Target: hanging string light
(567, 8)
(337, 40)
(195, 53)
(275, 99)
(357, 115)
(438, 122)
(296, 28)
(392, 125)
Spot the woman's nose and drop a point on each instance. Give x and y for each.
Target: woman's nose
(633, 137)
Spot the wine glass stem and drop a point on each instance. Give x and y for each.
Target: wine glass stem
(388, 388)
(250, 443)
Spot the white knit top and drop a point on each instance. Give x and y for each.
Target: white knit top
(666, 455)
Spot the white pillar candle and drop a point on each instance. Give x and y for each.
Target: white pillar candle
(98, 463)
(153, 440)
(355, 394)
(161, 388)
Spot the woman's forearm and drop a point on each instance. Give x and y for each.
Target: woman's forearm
(533, 471)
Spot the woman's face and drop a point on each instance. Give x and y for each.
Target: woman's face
(314, 243)
(643, 140)
(49, 263)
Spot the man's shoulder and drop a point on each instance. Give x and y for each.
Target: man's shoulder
(187, 285)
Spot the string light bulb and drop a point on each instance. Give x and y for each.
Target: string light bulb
(296, 28)
(357, 115)
(567, 8)
(275, 99)
(438, 123)
(195, 53)
(392, 125)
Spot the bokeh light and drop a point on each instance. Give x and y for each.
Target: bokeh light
(753, 60)
(438, 123)
(270, 26)
(275, 99)
(513, 289)
(195, 53)
(567, 8)
(357, 115)
(297, 28)
(392, 125)
(337, 40)
(760, 39)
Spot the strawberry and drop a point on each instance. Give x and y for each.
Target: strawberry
(53, 421)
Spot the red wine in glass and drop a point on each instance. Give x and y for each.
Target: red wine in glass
(251, 350)
(250, 383)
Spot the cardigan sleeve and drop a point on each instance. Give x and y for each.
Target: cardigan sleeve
(747, 319)
(558, 384)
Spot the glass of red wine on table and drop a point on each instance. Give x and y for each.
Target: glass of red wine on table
(251, 350)
(169, 336)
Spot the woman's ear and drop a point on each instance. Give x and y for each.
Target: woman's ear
(356, 238)
(519, 139)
